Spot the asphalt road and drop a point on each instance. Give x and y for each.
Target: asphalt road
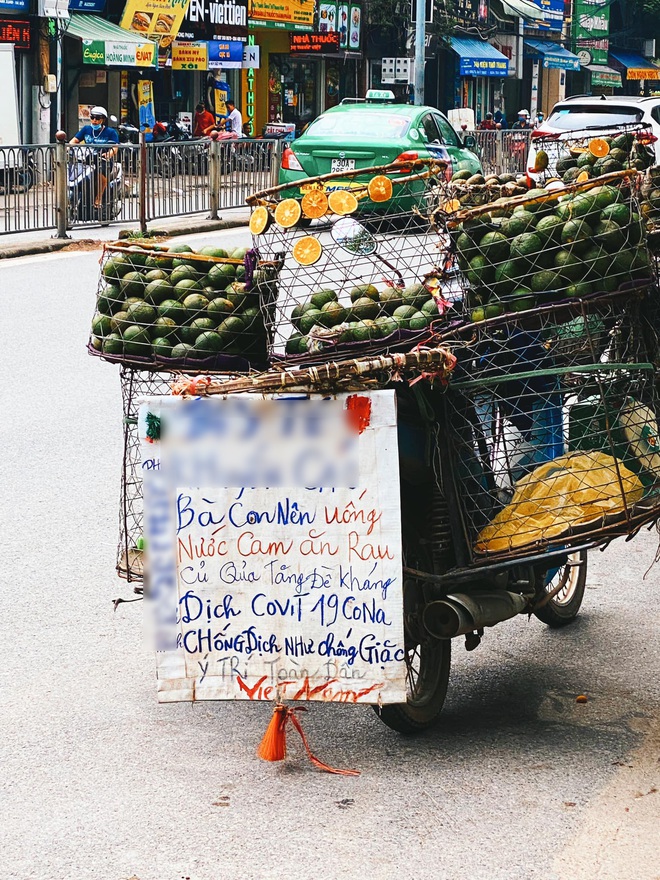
(99, 782)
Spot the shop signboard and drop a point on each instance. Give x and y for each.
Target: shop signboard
(355, 27)
(190, 56)
(286, 14)
(114, 54)
(313, 43)
(342, 24)
(591, 28)
(15, 5)
(157, 19)
(94, 6)
(553, 15)
(225, 54)
(16, 31)
(483, 66)
(471, 12)
(215, 20)
(327, 17)
(275, 555)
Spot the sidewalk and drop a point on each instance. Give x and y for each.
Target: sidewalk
(21, 244)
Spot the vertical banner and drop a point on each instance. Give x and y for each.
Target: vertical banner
(355, 28)
(221, 94)
(591, 29)
(342, 24)
(327, 18)
(146, 111)
(273, 530)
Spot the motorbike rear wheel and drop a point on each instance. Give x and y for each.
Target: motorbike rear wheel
(428, 662)
(564, 607)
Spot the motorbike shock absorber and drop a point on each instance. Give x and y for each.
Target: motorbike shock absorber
(441, 537)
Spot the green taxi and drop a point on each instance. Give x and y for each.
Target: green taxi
(360, 133)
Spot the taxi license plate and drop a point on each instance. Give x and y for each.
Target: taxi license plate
(342, 164)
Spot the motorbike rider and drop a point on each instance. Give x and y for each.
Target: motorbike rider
(523, 120)
(99, 134)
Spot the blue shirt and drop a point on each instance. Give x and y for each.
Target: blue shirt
(107, 135)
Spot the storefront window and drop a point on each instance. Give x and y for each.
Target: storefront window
(292, 90)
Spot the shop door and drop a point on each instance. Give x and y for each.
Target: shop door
(298, 93)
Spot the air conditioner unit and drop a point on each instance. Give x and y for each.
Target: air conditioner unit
(53, 8)
(648, 48)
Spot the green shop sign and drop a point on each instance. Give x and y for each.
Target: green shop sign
(591, 30)
(93, 52)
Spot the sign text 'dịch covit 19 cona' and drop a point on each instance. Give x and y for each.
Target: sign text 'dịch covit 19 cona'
(290, 592)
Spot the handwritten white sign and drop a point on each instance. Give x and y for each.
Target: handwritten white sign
(274, 548)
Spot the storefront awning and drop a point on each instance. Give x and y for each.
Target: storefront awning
(551, 55)
(108, 45)
(635, 66)
(525, 10)
(601, 75)
(478, 58)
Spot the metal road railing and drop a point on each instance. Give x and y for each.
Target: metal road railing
(26, 188)
(503, 152)
(56, 186)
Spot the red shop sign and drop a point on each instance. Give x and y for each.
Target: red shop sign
(314, 42)
(16, 31)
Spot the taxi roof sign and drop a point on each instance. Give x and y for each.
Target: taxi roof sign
(380, 95)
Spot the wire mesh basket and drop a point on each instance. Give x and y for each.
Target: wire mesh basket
(553, 424)
(574, 242)
(166, 309)
(580, 155)
(135, 385)
(359, 260)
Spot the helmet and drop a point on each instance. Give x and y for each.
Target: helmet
(99, 111)
(523, 112)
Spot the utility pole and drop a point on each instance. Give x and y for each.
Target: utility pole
(420, 49)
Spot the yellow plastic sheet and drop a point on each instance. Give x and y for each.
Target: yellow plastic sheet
(569, 492)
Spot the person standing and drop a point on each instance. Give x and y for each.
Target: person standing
(234, 121)
(98, 134)
(203, 120)
(487, 123)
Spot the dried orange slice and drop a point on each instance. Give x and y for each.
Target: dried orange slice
(288, 213)
(260, 220)
(450, 206)
(379, 188)
(582, 177)
(599, 147)
(307, 251)
(341, 201)
(314, 204)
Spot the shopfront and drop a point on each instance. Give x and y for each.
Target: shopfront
(17, 31)
(308, 62)
(549, 64)
(479, 69)
(102, 62)
(636, 71)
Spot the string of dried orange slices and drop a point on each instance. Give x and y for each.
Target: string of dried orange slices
(314, 204)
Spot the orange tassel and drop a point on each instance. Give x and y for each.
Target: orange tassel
(273, 744)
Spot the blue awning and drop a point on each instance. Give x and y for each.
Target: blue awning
(478, 58)
(635, 66)
(551, 55)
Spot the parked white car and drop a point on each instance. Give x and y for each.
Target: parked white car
(583, 116)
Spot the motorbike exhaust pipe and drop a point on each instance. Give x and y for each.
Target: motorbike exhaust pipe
(462, 613)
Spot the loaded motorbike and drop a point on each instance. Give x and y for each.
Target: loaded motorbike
(83, 170)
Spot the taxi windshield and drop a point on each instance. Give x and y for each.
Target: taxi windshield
(359, 123)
